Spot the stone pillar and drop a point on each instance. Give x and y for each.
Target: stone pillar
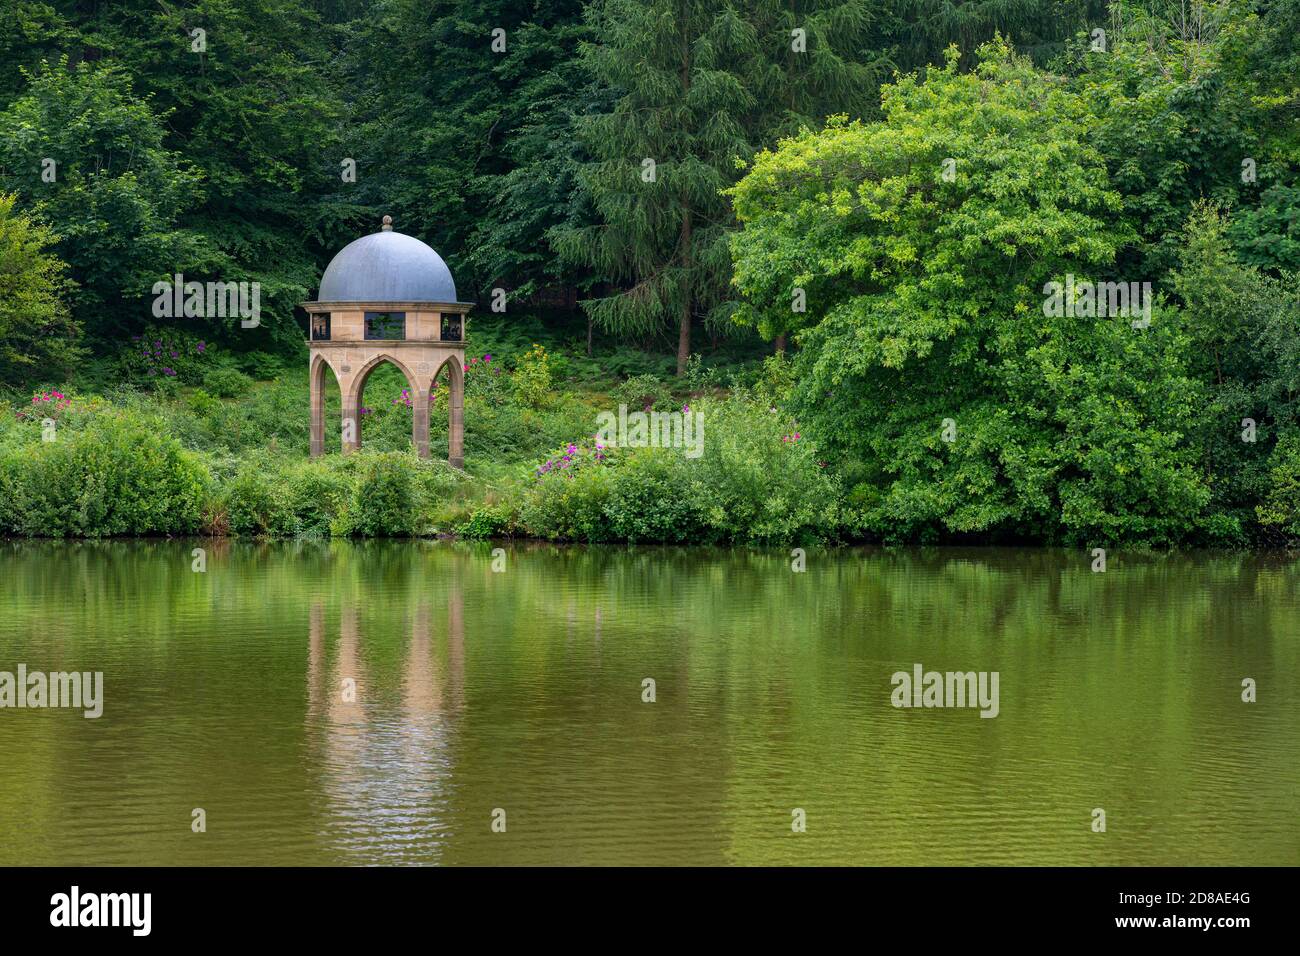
(456, 426)
(420, 420)
(317, 387)
(351, 423)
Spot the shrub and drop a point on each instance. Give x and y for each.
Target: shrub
(252, 503)
(227, 382)
(161, 357)
(757, 480)
(483, 379)
(262, 366)
(490, 521)
(642, 391)
(115, 476)
(1280, 512)
(316, 493)
(383, 498)
(651, 499)
(532, 377)
(567, 497)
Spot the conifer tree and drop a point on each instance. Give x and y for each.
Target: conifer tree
(662, 156)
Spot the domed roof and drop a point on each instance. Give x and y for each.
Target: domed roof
(387, 266)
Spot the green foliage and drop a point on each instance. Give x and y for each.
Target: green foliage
(756, 480)
(383, 498)
(643, 391)
(662, 154)
(117, 192)
(227, 382)
(115, 475)
(489, 521)
(923, 290)
(262, 366)
(37, 334)
(1280, 510)
(367, 494)
(532, 377)
(927, 294)
(1178, 106)
(159, 356)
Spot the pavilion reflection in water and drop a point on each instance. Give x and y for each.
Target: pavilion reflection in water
(385, 753)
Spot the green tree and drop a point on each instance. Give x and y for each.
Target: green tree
(79, 146)
(932, 368)
(38, 337)
(250, 93)
(1181, 121)
(663, 153)
(460, 127)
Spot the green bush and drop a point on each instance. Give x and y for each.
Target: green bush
(115, 476)
(162, 358)
(262, 366)
(252, 502)
(227, 382)
(642, 391)
(1280, 512)
(383, 498)
(532, 377)
(759, 478)
(490, 521)
(652, 500)
(755, 480)
(368, 494)
(566, 499)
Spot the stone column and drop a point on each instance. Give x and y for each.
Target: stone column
(456, 426)
(420, 420)
(317, 387)
(351, 423)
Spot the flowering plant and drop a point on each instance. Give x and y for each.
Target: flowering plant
(45, 405)
(573, 457)
(157, 355)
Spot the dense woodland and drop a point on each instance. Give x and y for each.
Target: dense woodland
(829, 224)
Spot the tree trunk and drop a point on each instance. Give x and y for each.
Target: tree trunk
(780, 344)
(684, 328)
(589, 335)
(684, 324)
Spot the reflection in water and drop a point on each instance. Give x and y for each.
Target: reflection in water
(523, 690)
(386, 774)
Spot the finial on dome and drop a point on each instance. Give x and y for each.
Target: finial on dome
(388, 224)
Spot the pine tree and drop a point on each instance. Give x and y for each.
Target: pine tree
(663, 154)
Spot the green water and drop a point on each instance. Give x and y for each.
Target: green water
(522, 690)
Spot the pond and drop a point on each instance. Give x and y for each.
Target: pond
(404, 702)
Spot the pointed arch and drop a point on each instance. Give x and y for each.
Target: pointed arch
(363, 373)
(356, 388)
